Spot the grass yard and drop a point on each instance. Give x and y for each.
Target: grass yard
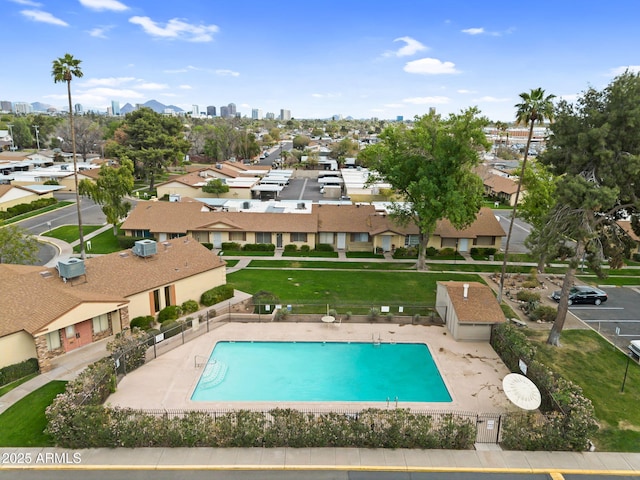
(69, 233)
(345, 287)
(598, 368)
(331, 265)
(243, 253)
(311, 253)
(106, 242)
(23, 424)
(10, 386)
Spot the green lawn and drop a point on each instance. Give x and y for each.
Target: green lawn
(594, 364)
(105, 242)
(70, 233)
(311, 253)
(243, 253)
(332, 265)
(10, 386)
(40, 211)
(23, 424)
(363, 255)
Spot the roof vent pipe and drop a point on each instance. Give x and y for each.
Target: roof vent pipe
(465, 291)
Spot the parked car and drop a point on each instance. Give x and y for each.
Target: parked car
(583, 294)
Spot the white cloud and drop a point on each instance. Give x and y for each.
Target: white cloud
(326, 95)
(482, 31)
(106, 82)
(411, 47)
(100, 32)
(99, 5)
(44, 17)
(430, 66)
(153, 86)
(227, 73)
(620, 70)
(112, 93)
(182, 70)
(490, 99)
(185, 87)
(27, 2)
(464, 90)
(168, 94)
(393, 105)
(439, 100)
(474, 31)
(176, 29)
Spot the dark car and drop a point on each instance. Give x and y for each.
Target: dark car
(583, 294)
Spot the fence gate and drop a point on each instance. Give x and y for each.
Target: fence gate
(488, 427)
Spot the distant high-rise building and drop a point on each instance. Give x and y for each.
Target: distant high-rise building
(5, 106)
(432, 110)
(285, 115)
(224, 111)
(211, 111)
(195, 111)
(400, 118)
(270, 116)
(115, 108)
(232, 109)
(336, 117)
(109, 111)
(22, 108)
(256, 114)
(77, 108)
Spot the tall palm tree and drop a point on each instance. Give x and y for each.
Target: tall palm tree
(535, 107)
(63, 70)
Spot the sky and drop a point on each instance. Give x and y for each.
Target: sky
(363, 59)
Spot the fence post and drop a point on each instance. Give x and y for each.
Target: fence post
(182, 332)
(207, 321)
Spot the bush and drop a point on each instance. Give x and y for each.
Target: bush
(263, 298)
(527, 296)
(231, 246)
(544, 313)
(431, 251)
(305, 248)
(474, 251)
(171, 329)
(446, 252)
(404, 252)
(208, 245)
(490, 251)
(565, 252)
(373, 314)
(292, 247)
(151, 336)
(259, 247)
(126, 242)
(216, 295)
(324, 247)
(29, 207)
(189, 306)
(143, 322)
(17, 371)
(130, 348)
(167, 314)
(332, 312)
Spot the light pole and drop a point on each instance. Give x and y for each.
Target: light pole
(37, 136)
(10, 125)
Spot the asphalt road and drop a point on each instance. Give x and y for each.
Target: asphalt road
(519, 233)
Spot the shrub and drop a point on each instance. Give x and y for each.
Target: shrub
(474, 251)
(208, 245)
(231, 246)
(389, 317)
(373, 314)
(490, 251)
(259, 247)
(281, 314)
(130, 348)
(305, 248)
(332, 312)
(189, 306)
(170, 329)
(324, 247)
(216, 295)
(564, 252)
(431, 251)
(544, 313)
(16, 371)
(527, 296)
(143, 322)
(263, 298)
(167, 314)
(126, 242)
(446, 252)
(29, 207)
(291, 247)
(151, 336)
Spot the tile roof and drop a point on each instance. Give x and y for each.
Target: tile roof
(480, 306)
(500, 184)
(33, 297)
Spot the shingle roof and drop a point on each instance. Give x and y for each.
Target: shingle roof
(484, 225)
(501, 184)
(480, 306)
(33, 297)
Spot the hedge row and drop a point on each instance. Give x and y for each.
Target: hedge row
(27, 207)
(14, 372)
(216, 295)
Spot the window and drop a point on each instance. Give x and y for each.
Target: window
(411, 240)
(167, 295)
(237, 236)
(263, 237)
(298, 237)
(142, 234)
(101, 323)
(156, 300)
(326, 238)
(70, 331)
(359, 237)
(53, 340)
(486, 241)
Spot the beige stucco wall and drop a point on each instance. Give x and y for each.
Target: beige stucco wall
(82, 312)
(11, 200)
(473, 332)
(16, 348)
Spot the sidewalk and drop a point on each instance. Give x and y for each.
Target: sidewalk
(65, 250)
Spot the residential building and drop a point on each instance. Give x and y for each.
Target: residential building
(48, 312)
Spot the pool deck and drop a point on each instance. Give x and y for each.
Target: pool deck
(472, 371)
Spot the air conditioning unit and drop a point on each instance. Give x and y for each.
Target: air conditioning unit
(145, 248)
(246, 205)
(71, 268)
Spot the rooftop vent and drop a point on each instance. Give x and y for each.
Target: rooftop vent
(219, 166)
(246, 205)
(71, 268)
(301, 206)
(145, 248)
(45, 274)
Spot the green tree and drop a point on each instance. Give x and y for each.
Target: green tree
(22, 133)
(430, 167)
(220, 142)
(216, 187)
(88, 135)
(535, 107)
(153, 141)
(300, 142)
(110, 189)
(343, 149)
(502, 128)
(17, 245)
(245, 145)
(63, 70)
(595, 147)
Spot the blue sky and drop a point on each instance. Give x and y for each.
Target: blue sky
(351, 57)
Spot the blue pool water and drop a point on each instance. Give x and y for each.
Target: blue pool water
(322, 372)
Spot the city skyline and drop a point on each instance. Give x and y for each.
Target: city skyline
(352, 59)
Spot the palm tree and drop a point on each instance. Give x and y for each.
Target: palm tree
(63, 70)
(535, 107)
(501, 127)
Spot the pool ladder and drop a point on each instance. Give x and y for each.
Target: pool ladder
(388, 400)
(376, 341)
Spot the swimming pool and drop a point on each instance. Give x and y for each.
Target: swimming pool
(322, 372)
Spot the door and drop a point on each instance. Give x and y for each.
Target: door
(386, 243)
(463, 244)
(217, 239)
(278, 240)
(342, 241)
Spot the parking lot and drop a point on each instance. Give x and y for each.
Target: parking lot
(618, 319)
